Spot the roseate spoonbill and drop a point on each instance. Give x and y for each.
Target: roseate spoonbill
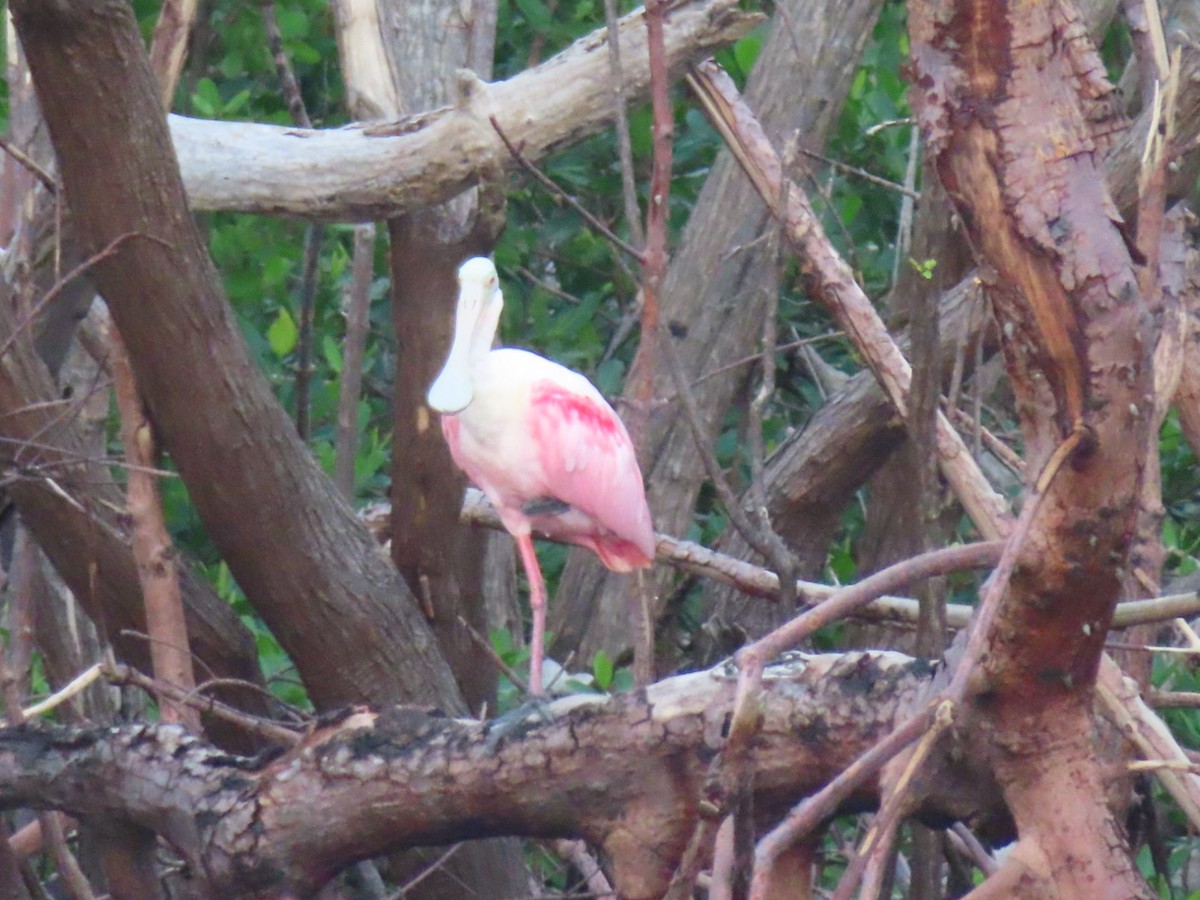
(542, 443)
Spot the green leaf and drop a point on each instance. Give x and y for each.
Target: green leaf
(746, 51)
(283, 333)
(305, 53)
(602, 669)
(206, 99)
(536, 13)
(293, 23)
(233, 65)
(332, 353)
(240, 99)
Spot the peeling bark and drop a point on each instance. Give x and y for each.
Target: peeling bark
(1012, 101)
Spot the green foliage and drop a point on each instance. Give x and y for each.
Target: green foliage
(1181, 496)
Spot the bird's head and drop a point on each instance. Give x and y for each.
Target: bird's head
(475, 321)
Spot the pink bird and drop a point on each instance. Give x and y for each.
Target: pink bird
(542, 443)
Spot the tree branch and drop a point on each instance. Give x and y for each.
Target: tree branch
(361, 173)
(382, 780)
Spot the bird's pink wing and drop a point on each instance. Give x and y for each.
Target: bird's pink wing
(588, 461)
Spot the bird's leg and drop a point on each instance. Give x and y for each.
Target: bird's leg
(537, 603)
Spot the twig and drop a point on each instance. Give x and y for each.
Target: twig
(76, 685)
(74, 881)
(781, 557)
(168, 47)
(750, 673)
(289, 86)
(433, 867)
(836, 288)
(545, 181)
(863, 174)
(29, 163)
(876, 846)
(488, 650)
(779, 350)
(314, 234)
(1174, 699)
(752, 659)
(654, 265)
(1149, 734)
(971, 845)
(691, 413)
(577, 854)
(633, 216)
(153, 548)
(122, 674)
(57, 288)
(358, 325)
(313, 237)
(683, 881)
(1005, 454)
(760, 582)
(807, 815)
(942, 561)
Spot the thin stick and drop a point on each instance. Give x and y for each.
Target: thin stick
(29, 163)
(57, 288)
(863, 174)
(168, 47)
(485, 647)
(122, 674)
(756, 581)
(314, 234)
(876, 846)
(781, 557)
(633, 216)
(76, 685)
(358, 326)
(74, 881)
(985, 861)
(577, 854)
(289, 86)
(691, 413)
(807, 815)
(153, 548)
(654, 265)
(942, 561)
(545, 181)
(837, 289)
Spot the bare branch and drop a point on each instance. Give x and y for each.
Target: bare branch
(357, 305)
(364, 173)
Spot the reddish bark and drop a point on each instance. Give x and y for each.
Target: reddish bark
(1008, 96)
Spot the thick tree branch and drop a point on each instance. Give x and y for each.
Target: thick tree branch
(374, 781)
(361, 173)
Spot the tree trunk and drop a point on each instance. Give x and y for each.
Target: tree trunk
(1078, 345)
(306, 563)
